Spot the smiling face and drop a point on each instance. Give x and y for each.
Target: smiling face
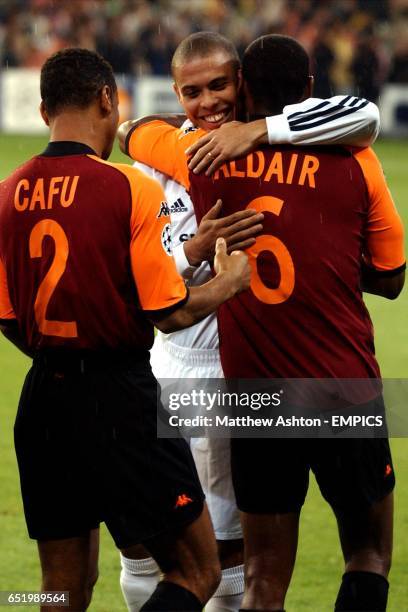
(207, 88)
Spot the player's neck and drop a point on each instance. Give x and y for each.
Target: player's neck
(77, 127)
(260, 112)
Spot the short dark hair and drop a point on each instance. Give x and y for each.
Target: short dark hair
(202, 44)
(74, 77)
(276, 71)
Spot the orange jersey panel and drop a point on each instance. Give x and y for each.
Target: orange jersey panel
(384, 248)
(163, 147)
(6, 309)
(158, 283)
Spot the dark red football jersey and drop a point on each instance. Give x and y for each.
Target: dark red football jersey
(304, 315)
(84, 252)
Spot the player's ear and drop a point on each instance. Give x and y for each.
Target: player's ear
(239, 78)
(177, 91)
(247, 100)
(106, 99)
(44, 114)
(309, 88)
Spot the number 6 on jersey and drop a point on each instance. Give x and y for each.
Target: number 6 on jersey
(270, 243)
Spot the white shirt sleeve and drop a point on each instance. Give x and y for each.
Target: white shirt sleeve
(184, 268)
(344, 120)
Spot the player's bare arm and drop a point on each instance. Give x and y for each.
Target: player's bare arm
(174, 119)
(232, 276)
(383, 263)
(342, 120)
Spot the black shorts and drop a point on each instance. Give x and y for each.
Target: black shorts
(87, 450)
(272, 475)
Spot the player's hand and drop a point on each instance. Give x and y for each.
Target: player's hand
(238, 229)
(236, 266)
(230, 141)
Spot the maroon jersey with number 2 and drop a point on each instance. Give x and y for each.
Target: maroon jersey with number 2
(84, 252)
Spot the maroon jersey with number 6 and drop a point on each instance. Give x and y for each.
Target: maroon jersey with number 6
(324, 209)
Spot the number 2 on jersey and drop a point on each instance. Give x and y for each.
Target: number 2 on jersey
(267, 242)
(48, 227)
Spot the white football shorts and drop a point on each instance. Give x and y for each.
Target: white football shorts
(211, 455)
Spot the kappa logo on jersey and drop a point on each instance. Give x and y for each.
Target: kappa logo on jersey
(178, 207)
(164, 210)
(188, 130)
(166, 239)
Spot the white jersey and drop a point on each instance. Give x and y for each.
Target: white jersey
(339, 120)
(203, 335)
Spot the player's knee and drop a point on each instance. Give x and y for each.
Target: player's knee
(80, 587)
(387, 562)
(382, 560)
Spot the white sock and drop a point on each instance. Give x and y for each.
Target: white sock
(138, 580)
(228, 596)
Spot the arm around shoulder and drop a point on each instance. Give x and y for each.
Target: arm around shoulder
(126, 128)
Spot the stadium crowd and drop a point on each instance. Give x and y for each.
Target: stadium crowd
(356, 45)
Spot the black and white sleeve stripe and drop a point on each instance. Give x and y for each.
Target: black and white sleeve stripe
(325, 112)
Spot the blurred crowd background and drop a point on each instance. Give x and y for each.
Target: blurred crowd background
(356, 45)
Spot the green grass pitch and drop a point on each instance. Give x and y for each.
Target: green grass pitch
(319, 563)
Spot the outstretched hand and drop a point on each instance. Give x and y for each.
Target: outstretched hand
(239, 230)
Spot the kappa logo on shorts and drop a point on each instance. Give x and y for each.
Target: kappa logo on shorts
(166, 239)
(164, 210)
(388, 470)
(183, 500)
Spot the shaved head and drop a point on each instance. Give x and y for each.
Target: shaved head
(203, 44)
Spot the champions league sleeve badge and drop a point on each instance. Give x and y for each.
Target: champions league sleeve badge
(166, 239)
